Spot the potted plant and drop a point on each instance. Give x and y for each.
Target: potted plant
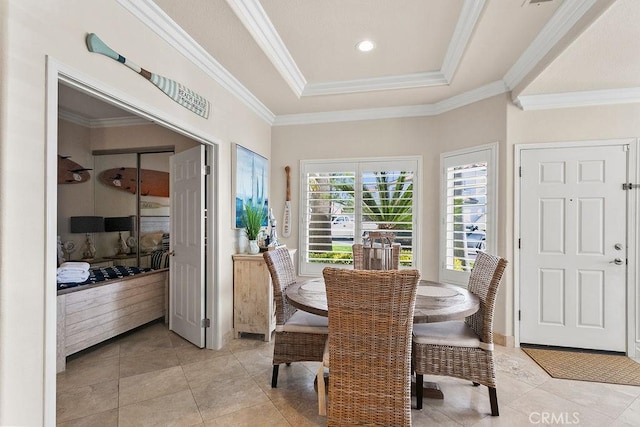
(252, 218)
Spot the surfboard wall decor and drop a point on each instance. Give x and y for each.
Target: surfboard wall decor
(152, 182)
(69, 172)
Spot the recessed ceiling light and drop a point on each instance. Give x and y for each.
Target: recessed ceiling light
(366, 46)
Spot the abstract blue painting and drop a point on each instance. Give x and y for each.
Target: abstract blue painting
(251, 182)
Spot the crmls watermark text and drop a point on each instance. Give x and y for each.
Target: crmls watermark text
(555, 418)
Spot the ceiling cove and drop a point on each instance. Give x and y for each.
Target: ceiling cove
(253, 16)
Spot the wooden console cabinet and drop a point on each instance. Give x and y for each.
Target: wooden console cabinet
(253, 305)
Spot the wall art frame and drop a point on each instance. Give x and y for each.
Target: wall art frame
(250, 182)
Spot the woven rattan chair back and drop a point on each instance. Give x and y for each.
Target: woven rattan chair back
(483, 282)
(282, 275)
(370, 325)
(472, 363)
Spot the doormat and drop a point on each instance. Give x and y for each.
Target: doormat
(587, 366)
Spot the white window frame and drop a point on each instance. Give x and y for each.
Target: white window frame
(357, 166)
(482, 153)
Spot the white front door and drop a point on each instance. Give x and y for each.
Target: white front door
(573, 250)
(186, 277)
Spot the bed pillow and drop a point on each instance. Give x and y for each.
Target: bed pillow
(159, 259)
(151, 242)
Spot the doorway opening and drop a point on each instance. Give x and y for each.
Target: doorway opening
(576, 243)
(59, 75)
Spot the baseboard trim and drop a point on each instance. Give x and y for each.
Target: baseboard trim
(504, 340)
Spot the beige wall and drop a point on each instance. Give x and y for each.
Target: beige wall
(373, 138)
(31, 31)
(76, 198)
(140, 136)
(482, 123)
(573, 124)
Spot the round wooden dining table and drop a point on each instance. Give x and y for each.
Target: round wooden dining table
(435, 302)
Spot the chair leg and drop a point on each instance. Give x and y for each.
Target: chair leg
(274, 376)
(322, 402)
(493, 399)
(419, 390)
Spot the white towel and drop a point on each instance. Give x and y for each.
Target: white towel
(72, 277)
(74, 266)
(71, 272)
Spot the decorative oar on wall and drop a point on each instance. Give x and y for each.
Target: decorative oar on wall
(179, 93)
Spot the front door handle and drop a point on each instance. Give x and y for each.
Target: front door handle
(617, 261)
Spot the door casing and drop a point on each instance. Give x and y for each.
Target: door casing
(633, 344)
(58, 72)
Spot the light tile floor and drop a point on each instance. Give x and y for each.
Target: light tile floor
(152, 377)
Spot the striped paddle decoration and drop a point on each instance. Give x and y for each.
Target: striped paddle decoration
(174, 90)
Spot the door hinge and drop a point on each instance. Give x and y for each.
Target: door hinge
(630, 186)
(519, 315)
(206, 170)
(206, 323)
(520, 171)
(518, 243)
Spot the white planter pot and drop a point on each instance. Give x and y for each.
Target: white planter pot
(253, 247)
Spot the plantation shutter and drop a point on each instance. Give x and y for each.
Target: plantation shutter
(343, 200)
(329, 195)
(468, 212)
(387, 201)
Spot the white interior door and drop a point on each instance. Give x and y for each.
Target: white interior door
(186, 277)
(573, 229)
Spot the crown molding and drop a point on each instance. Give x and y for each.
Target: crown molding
(73, 118)
(160, 23)
(567, 15)
(578, 99)
(101, 123)
(354, 115)
(405, 81)
(464, 28)
(483, 92)
(423, 110)
(256, 21)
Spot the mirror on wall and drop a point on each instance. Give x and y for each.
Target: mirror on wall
(131, 192)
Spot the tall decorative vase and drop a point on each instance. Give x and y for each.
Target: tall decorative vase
(253, 247)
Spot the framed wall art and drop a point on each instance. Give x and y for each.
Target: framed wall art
(250, 177)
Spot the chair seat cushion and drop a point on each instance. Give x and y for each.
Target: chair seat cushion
(301, 321)
(454, 333)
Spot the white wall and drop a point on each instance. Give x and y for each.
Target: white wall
(31, 31)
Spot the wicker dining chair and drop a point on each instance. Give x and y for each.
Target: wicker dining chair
(463, 348)
(299, 336)
(369, 347)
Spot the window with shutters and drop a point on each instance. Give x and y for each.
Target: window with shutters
(468, 210)
(342, 200)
